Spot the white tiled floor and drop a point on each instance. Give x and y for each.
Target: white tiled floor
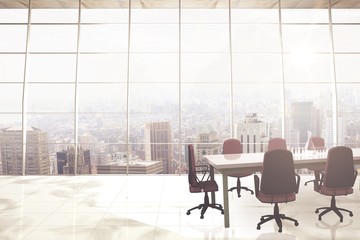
(154, 207)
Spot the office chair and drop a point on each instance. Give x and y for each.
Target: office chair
(277, 143)
(338, 179)
(233, 146)
(203, 184)
(316, 143)
(279, 184)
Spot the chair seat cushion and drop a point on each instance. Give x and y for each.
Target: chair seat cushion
(205, 186)
(276, 198)
(334, 191)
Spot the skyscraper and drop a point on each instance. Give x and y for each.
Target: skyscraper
(36, 157)
(208, 142)
(66, 161)
(158, 144)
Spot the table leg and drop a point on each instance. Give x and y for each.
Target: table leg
(226, 201)
(212, 177)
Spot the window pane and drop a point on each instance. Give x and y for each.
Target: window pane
(51, 68)
(13, 15)
(345, 15)
(306, 67)
(54, 15)
(305, 15)
(10, 120)
(12, 67)
(257, 67)
(205, 67)
(347, 67)
(205, 15)
(306, 38)
(13, 38)
(102, 67)
(104, 15)
(56, 38)
(102, 98)
(11, 97)
(104, 38)
(154, 67)
(155, 16)
(346, 38)
(255, 38)
(308, 108)
(254, 15)
(51, 98)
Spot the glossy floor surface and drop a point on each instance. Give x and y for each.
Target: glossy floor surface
(154, 207)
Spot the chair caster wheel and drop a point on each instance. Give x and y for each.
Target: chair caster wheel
(351, 214)
(316, 211)
(280, 230)
(222, 212)
(188, 213)
(258, 227)
(202, 217)
(341, 220)
(319, 218)
(296, 223)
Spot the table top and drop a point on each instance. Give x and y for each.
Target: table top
(254, 160)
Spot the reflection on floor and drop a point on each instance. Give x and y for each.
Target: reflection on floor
(154, 207)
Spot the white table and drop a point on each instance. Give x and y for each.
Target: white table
(236, 163)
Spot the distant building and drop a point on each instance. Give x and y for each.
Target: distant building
(66, 161)
(159, 144)
(208, 142)
(252, 134)
(37, 155)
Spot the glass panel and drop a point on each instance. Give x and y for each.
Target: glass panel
(306, 38)
(306, 67)
(347, 69)
(12, 67)
(305, 15)
(254, 15)
(163, 98)
(346, 38)
(13, 15)
(11, 97)
(348, 113)
(13, 38)
(205, 67)
(154, 67)
(54, 15)
(205, 109)
(104, 38)
(155, 16)
(308, 108)
(10, 120)
(255, 38)
(102, 67)
(54, 38)
(51, 98)
(104, 15)
(345, 15)
(257, 67)
(159, 38)
(205, 16)
(51, 68)
(102, 98)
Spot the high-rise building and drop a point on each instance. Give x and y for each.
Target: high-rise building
(36, 157)
(301, 113)
(252, 134)
(208, 142)
(66, 161)
(158, 144)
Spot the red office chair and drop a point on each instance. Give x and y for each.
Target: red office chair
(205, 184)
(316, 143)
(277, 143)
(233, 146)
(279, 184)
(338, 179)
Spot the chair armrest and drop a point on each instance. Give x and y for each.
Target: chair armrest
(297, 182)
(204, 171)
(256, 184)
(319, 180)
(355, 175)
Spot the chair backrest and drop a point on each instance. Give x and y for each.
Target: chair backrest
(339, 170)
(277, 143)
(192, 166)
(232, 146)
(278, 173)
(316, 143)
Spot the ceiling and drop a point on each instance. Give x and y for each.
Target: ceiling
(184, 3)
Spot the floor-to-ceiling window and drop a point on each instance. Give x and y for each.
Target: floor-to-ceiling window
(121, 87)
